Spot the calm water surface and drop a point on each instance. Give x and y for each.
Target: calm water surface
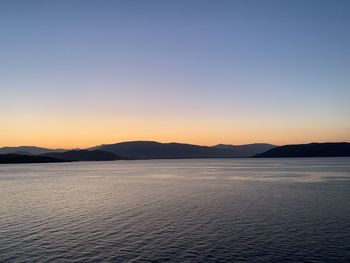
(200, 210)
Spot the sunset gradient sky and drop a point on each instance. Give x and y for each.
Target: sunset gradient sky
(81, 73)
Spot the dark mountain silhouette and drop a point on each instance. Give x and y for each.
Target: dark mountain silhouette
(156, 150)
(340, 149)
(247, 150)
(20, 152)
(17, 158)
(28, 150)
(84, 155)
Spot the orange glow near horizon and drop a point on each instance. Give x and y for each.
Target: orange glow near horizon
(70, 133)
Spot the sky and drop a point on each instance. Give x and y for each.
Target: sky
(82, 73)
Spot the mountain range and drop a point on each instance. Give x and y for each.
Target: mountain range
(150, 150)
(19, 158)
(28, 150)
(340, 149)
(247, 150)
(156, 150)
(84, 155)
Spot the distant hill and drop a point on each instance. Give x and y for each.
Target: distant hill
(17, 158)
(156, 150)
(247, 150)
(84, 155)
(20, 152)
(341, 149)
(28, 150)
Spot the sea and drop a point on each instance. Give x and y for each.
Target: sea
(184, 210)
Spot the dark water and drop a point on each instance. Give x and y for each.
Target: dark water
(209, 210)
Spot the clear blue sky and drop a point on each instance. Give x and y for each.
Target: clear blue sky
(79, 73)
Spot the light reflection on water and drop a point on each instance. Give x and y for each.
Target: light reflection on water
(199, 210)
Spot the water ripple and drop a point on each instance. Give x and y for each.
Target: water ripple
(230, 210)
